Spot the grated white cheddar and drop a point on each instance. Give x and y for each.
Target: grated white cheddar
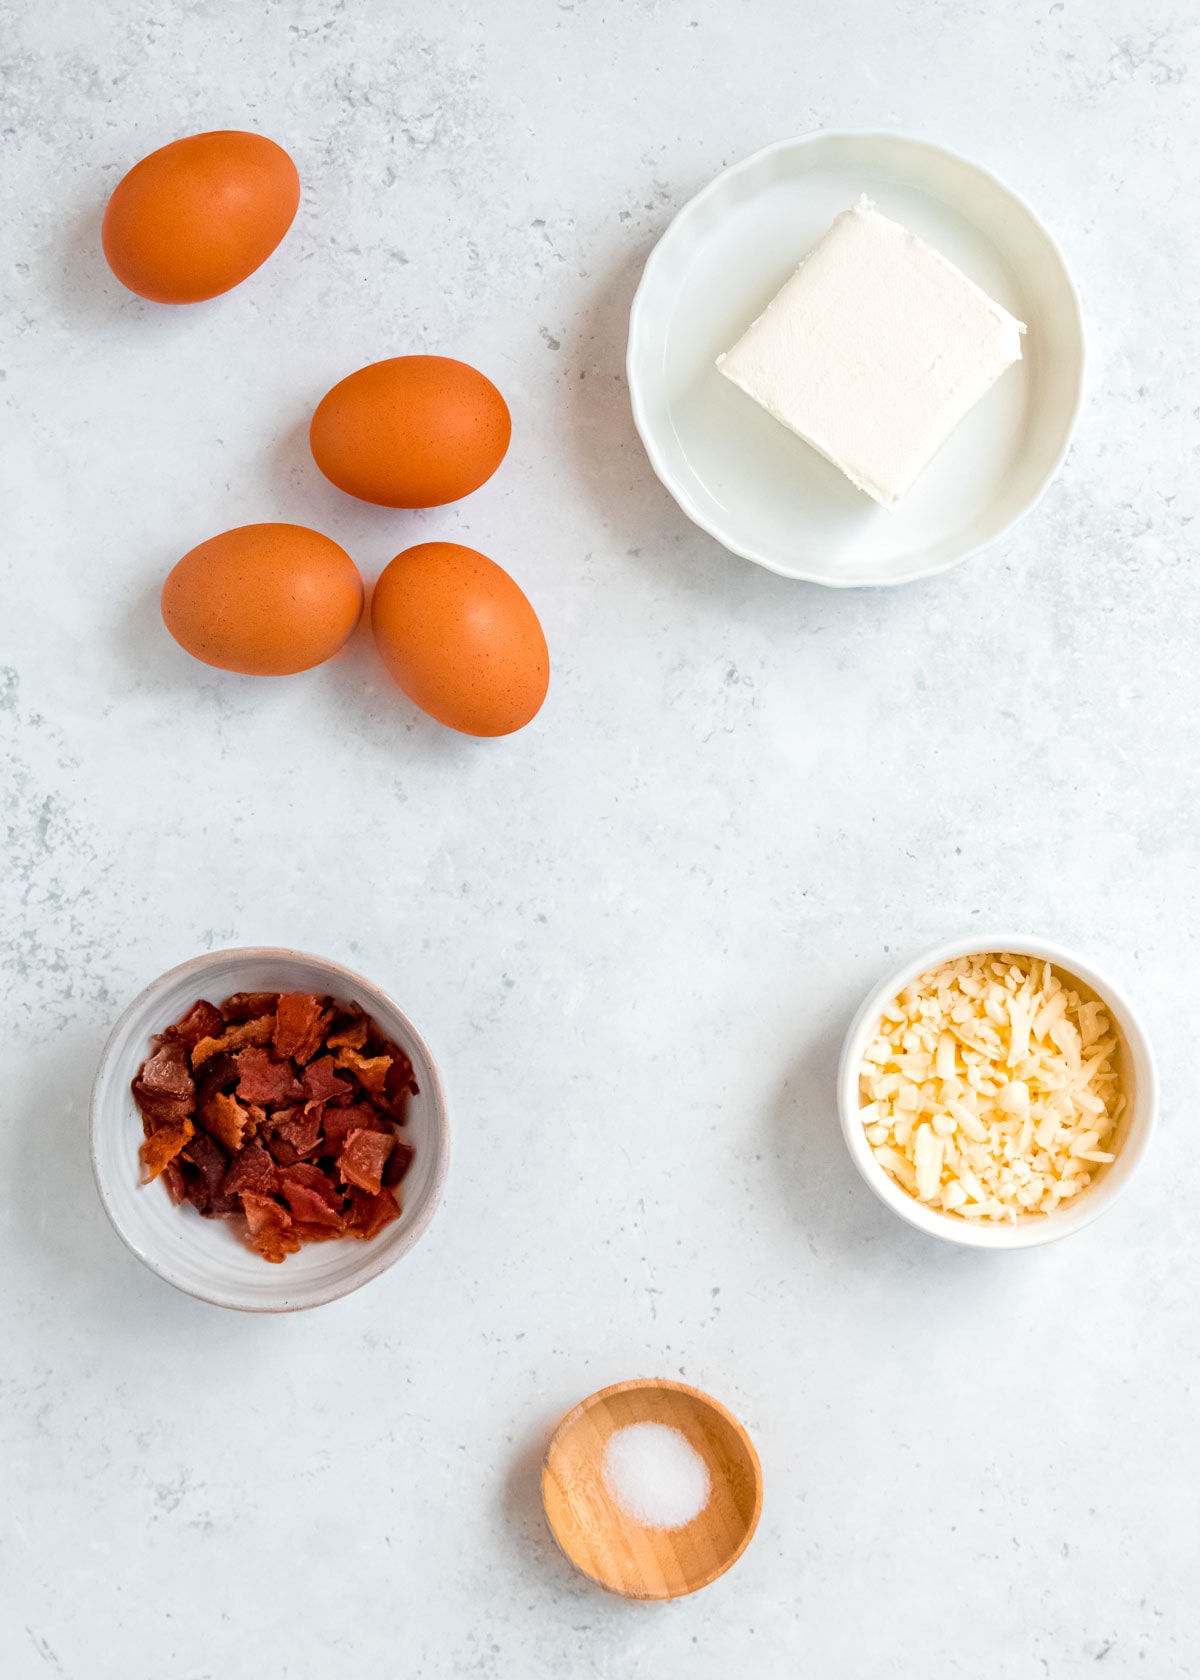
(991, 1089)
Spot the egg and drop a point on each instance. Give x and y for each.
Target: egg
(196, 217)
(264, 599)
(461, 639)
(414, 431)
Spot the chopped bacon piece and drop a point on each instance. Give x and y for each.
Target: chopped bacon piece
(269, 1227)
(162, 1146)
(209, 1159)
(315, 1179)
(226, 1119)
(321, 1082)
(251, 1169)
(398, 1163)
(300, 1020)
(157, 1110)
(303, 1132)
(309, 1205)
(371, 1072)
(311, 1196)
(349, 1032)
(201, 1021)
(166, 1073)
(362, 1159)
(399, 1085)
(261, 1079)
(218, 1073)
(248, 1006)
(258, 1031)
(203, 1187)
(401, 1079)
(340, 1122)
(369, 1214)
(172, 1177)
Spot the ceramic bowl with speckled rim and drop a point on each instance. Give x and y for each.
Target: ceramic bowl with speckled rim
(206, 1257)
(1139, 1083)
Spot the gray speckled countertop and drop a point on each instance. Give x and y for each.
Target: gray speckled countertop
(634, 933)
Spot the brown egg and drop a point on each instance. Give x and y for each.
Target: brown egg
(264, 599)
(461, 639)
(196, 217)
(415, 431)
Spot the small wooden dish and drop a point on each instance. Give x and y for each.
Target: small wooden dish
(613, 1548)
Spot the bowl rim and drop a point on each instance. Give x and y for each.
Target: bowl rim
(630, 1384)
(646, 432)
(1050, 1227)
(374, 1264)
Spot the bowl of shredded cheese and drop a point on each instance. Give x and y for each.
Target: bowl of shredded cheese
(997, 1092)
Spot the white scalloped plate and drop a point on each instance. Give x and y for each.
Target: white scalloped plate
(763, 492)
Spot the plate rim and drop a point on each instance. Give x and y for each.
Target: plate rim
(646, 433)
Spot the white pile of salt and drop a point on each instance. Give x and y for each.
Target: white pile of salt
(655, 1475)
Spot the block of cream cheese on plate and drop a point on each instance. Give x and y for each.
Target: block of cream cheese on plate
(874, 350)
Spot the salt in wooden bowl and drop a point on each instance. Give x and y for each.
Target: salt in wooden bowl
(603, 1539)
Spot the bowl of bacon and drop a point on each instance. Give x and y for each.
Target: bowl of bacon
(268, 1130)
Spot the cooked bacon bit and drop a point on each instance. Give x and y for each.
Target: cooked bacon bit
(401, 1080)
(209, 1159)
(340, 1122)
(160, 1111)
(349, 1032)
(166, 1073)
(307, 1174)
(399, 1085)
(225, 1118)
(299, 1022)
(203, 1188)
(369, 1214)
(251, 1169)
(311, 1196)
(248, 1006)
(261, 1079)
(269, 1227)
(371, 1072)
(258, 1031)
(282, 1152)
(218, 1073)
(298, 1098)
(303, 1132)
(361, 1161)
(172, 1177)
(201, 1021)
(162, 1146)
(321, 1082)
(398, 1163)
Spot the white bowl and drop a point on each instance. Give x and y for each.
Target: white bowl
(204, 1257)
(1139, 1083)
(749, 482)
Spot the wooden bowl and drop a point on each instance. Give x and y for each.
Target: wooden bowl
(612, 1547)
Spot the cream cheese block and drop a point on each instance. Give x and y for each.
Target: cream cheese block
(874, 350)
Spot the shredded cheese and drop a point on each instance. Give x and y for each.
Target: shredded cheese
(991, 1089)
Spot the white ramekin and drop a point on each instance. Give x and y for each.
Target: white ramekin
(1137, 1123)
